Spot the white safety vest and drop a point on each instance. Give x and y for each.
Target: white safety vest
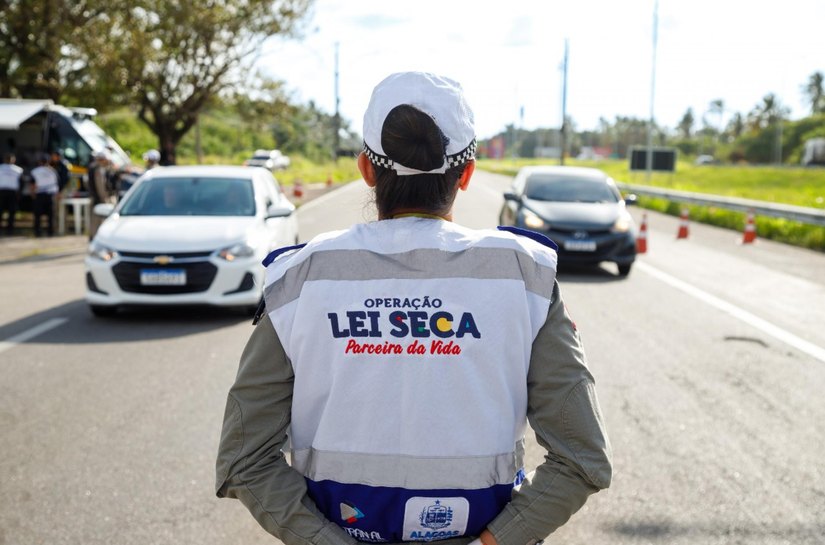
(410, 341)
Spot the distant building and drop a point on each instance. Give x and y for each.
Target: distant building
(594, 153)
(548, 152)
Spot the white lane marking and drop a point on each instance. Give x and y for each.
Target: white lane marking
(489, 190)
(750, 319)
(11, 342)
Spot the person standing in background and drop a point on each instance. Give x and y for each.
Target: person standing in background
(98, 187)
(9, 190)
(60, 166)
(46, 186)
(151, 158)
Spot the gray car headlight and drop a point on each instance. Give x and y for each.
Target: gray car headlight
(532, 220)
(231, 253)
(97, 250)
(622, 225)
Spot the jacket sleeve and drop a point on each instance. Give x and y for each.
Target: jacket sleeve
(251, 465)
(564, 413)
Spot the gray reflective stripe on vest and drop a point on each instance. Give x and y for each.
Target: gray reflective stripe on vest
(410, 472)
(478, 263)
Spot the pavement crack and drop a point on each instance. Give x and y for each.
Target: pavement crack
(746, 339)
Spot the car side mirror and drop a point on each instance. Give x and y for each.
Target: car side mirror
(279, 211)
(103, 209)
(512, 197)
(630, 200)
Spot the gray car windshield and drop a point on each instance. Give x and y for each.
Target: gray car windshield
(191, 197)
(568, 189)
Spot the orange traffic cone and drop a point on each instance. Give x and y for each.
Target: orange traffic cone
(298, 189)
(750, 230)
(683, 224)
(329, 180)
(641, 239)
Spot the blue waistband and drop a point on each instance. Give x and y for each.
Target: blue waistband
(386, 514)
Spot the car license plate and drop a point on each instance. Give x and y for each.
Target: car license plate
(580, 245)
(163, 277)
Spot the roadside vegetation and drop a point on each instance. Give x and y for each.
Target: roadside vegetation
(228, 138)
(183, 82)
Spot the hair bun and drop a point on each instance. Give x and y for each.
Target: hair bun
(412, 138)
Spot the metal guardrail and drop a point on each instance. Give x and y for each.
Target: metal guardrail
(812, 216)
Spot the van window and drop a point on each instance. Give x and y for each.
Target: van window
(64, 137)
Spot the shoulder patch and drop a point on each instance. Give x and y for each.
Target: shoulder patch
(273, 255)
(544, 240)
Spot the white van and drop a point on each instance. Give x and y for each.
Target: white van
(30, 128)
(814, 152)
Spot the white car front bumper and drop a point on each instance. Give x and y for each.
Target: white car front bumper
(209, 280)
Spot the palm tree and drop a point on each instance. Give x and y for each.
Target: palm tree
(815, 92)
(736, 125)
(717, 107)
(767, 113)
(686, 124)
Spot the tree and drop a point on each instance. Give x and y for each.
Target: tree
(767, 113)
(41, 44)
(815, 92)
(171, 58)
(736, 125)
(685, 125)
(630, 131)
(717, 107)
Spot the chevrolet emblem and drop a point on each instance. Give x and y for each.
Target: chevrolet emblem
(163, 259)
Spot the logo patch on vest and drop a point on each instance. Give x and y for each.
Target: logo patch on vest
(392, 325)
(350, 513)
(430, 519)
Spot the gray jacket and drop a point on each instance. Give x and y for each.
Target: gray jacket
(562, 410)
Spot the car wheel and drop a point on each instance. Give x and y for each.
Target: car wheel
(624, 270)
(103, 311)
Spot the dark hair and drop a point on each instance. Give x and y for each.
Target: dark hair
(411, 137)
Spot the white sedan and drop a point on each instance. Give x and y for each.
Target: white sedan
(188, 235)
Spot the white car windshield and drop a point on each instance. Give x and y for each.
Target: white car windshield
(191, 197)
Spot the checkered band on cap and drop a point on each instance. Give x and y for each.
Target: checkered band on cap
(437, 96)
(463, 156)
(450, 161)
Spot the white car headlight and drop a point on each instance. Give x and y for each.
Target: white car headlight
(231, 253)
(101, 252)
(532, 221)
(622, 224)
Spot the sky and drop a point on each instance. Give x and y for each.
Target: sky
(508, 56)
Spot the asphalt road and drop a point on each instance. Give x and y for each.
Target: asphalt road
(709, 360)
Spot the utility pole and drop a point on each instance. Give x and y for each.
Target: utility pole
(337, 121)
(564, 105)
(652, 91)
(198, 148)
(778, 152)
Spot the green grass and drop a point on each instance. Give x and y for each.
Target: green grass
(788, 185)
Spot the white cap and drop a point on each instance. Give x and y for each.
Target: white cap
(152, 155)
(441, 98)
